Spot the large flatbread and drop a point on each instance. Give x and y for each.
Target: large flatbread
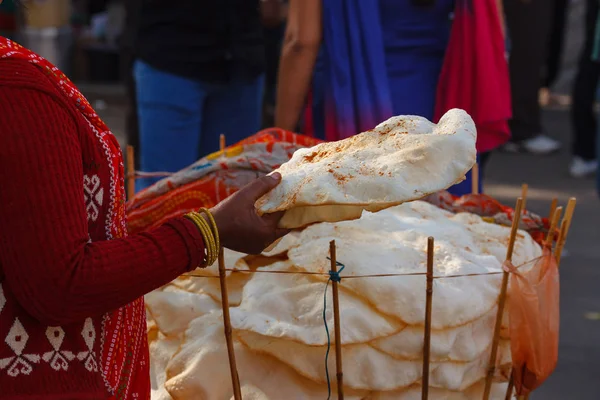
(200, 370)
(366, 368)
(399, 247)
(404, 158)
(161, 351)
(290, 306)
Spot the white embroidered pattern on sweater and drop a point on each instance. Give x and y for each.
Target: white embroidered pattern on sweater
(20, 363)
(110, 215)
(93, 196)
(89, 336)
(57, 358)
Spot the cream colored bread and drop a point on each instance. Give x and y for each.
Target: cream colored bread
(402, 159)
(277, 318)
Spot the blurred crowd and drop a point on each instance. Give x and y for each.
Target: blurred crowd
(332, 68)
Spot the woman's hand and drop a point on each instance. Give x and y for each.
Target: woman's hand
(240, 227)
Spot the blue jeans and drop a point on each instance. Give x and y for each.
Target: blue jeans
(181, 119)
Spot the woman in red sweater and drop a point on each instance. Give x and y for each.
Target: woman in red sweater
(72, 317)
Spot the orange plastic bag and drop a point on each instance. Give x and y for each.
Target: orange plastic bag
(533, 311)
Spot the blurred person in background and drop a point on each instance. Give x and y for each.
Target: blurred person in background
(529, 25)
(274, 14)
(419, 62)
(199, 73)
(552, 67)
(583, 116)
(8, 18)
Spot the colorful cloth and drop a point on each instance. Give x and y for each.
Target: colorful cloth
(379, 58)
(122, 359)
(492, 211)
(213, 178)
(475, 75)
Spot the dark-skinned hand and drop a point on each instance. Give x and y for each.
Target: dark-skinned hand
(240, 227)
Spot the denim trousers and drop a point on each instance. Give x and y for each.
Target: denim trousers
(181, 119)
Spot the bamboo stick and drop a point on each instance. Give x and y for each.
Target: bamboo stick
(524, 189)
(502, 300)
(336, 323)
(475, 179)
(511, 384)
(569, 211)
(235, 379)
(222, 143)
(560, 242)
(553, 226)
(428, 305)
(553, 206)
(564, 228)
(130, 172)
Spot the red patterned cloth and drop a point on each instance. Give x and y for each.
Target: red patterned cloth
(72, 317)
(493, 211)
(213, 178)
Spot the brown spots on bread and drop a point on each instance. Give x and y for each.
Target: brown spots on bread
(311, 157)
(341, 178)
(322, 154)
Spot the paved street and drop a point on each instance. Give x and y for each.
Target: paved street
(578, 373)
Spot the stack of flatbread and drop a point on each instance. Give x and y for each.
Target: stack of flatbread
(351, 192)
(279, 333)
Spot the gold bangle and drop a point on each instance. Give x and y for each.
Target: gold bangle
(210, 243)
(205, 238)
(213, 225)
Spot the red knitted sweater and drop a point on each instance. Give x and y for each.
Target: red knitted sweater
(58, 273)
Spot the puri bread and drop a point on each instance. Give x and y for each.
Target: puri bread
(402, 159)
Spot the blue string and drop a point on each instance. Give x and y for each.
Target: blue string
(334, 276)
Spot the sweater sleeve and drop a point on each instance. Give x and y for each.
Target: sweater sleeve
(55, 274)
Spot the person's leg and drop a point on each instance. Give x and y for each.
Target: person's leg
(234, 110)
(598, 166)
(555, 46)
(584, 94)
(170, 120)
(527, 55)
